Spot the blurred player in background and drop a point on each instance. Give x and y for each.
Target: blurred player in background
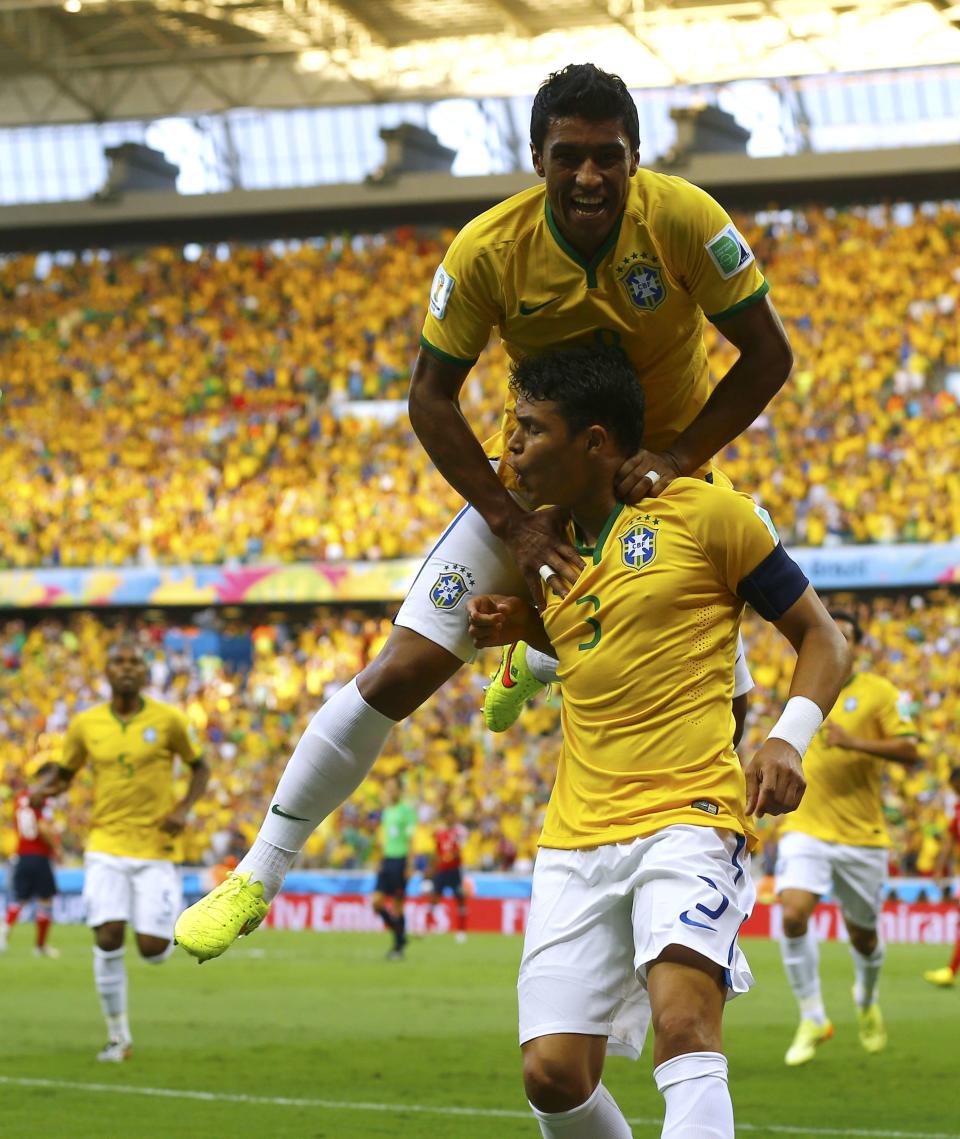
(946, 863)
(836, 843)
(33, 878)
(603, 253)
(642, 880)
(131, 744)
(446, 868)
(398, 821)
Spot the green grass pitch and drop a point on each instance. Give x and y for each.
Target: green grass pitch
(327, 1040)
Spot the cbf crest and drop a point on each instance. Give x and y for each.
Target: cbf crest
(644, 285)
(452, 585)
(638, 547)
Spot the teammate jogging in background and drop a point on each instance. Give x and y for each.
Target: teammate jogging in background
(130, 745)
(398, 821)
(642, 880)
(946, 976)
(33, 878)
(603, 253)
(446, 868)
(836, 843)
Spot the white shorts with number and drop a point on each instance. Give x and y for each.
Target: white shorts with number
(142, 891)
(599, 917)
(854, 875)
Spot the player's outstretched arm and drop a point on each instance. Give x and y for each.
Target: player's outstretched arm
(494, 619)
(898, 749)
(775, 782)
(53, 782)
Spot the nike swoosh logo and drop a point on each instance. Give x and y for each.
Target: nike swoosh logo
(506, 680)
(529, 310)
(277, 810)
(699, 924)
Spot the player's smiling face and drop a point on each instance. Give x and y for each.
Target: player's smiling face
(548, 463)
(587, 167)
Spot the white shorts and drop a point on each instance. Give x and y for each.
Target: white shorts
(142, 891)
(599, 917)
(854, 875)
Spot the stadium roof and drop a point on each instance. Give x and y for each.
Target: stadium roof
(94, 60)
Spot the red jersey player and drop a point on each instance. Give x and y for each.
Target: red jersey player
(33, 876)
(446, 869)
(948, 853)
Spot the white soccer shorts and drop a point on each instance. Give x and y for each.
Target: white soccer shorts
(854, 875)
(598, 917)
(145, 892)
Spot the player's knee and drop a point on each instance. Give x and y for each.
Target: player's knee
(864, 941)
(794, 922)
(154, 950)
(679, 1030)
(555, 1083)
(109, 936)
(406, 672)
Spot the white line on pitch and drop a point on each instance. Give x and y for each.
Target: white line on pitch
(428, 1109)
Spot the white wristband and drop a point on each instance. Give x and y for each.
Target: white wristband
(798, 723)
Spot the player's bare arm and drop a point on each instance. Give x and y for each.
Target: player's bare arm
(495, 619)
(902, 749)
(760, 372)
(176, 820)
(775, 782)
(534, 538)
(54, 783)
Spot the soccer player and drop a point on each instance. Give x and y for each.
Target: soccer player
(398, 821)
(642, 880)
(604, 252)
(446, 869)
(33, 875)
(947, 975)
(836, 842)
(130, 744)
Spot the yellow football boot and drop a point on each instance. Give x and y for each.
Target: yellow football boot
(808, 1038)
(513, 684)
(209, 927)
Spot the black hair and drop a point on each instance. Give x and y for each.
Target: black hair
(846, 615)
(125, 641)
(583, 91)
(589, 385)
(954, 774)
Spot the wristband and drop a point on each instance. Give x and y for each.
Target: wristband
(798, 723)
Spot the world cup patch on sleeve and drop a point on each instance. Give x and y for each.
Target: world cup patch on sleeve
(728, 251)
(440, 292)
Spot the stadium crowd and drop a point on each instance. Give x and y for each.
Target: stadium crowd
(159, 409)
(249, 684)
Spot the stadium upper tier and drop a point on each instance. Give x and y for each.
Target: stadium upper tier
(165, 410)
(250, 689)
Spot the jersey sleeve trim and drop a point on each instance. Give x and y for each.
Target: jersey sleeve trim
(775, 584)
(462, 361)
(741, 305)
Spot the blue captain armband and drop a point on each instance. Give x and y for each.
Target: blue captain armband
(774, 585)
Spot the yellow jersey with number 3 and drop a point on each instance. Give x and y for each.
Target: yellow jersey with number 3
(646, 642)
(673, 257)
(132, 766)
(843, 802)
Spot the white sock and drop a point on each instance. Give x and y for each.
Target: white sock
(694, 1088)
(333, 757)
(867, 970)
(542, 665)
(110, 977)
(597, 1118)
(801, 963)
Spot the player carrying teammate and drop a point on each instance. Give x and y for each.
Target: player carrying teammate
(836, 842)
(33, 875)
(446, 868)
(130, 744)
(603, 252)
(398, 821)
(949, 852)
(642, 880)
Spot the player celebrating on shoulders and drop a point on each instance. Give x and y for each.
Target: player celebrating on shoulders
(446, 869)
(130, 744)
(642, 880)
(602, 253)
(33, 875)
(947, 975)
(398, 821)
(836, 843)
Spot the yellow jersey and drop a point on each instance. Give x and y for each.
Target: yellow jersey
(672, 258)
(842, 802)
(646, 642)
(132, 765)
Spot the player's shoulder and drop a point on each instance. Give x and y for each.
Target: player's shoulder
(504, 223)
(160, 710)
(666, 200)
(877, 686)
(96, 713)
(694, 497)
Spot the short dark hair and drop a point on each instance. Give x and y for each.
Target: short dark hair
(583, 91)
(589, 385)
(846, 615)
(954, 774)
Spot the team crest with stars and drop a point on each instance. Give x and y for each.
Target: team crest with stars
(643, 283)
(452, 585)
(638, 546)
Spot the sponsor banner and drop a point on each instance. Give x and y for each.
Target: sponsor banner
(839, 567)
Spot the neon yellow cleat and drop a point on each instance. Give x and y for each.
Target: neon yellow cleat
(209, 927)
(945, 978)
(873, 1032)
(513, 684)
(808, 1037)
